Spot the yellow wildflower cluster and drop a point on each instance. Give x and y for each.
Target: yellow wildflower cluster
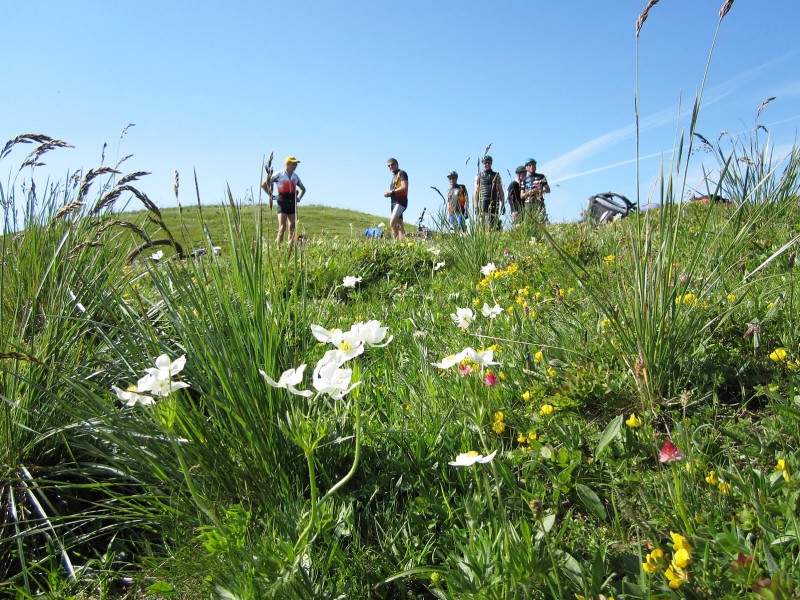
(525, 438)
(654, 561)
(546, 410)
(538, 357)
(497, 274)
(686, 299)
(498, 422)
(781, 466)
(609, 260)
(676, 573)
(714, 481)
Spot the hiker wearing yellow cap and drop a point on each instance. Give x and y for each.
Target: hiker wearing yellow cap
(288, 183)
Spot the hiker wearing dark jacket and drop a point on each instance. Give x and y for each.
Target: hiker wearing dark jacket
(515, 201)
(489, 194)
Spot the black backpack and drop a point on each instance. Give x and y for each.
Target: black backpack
(608, 206)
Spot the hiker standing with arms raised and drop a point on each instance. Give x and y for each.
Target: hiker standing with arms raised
(489, 194)
(288, 183)
(398, 192)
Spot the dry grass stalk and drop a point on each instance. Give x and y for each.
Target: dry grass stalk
(132, 177)
(90, 176)
(25, 138)
(176, 186)
(18, 356)
(643, 17)
(764, 104)
(725, 8)
(68, 209)
(126, 224)
(33, 157)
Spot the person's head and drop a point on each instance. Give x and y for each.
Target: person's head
(392, 164)
(530, 164)
(452, 177)
(291, 163)
(521, 172)
(487, 163)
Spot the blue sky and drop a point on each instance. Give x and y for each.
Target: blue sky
(215, 87)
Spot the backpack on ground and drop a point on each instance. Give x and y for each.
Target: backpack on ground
(608, 206)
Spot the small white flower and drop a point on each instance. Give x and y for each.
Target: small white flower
(453, 359)
(158, 380)
(381, 224)
(350, 281)
(491, 312)
(467, 459)
(438, 266)
(289, 379)
(488, 269)
(130, 397)
(74, 298)
(434, 250)
(157, 256)
(349, 342)
(419, 334)
(483, 359)
(463, 317)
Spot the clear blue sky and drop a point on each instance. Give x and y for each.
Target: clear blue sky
(216, 86)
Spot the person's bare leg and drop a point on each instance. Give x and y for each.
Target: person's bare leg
(292, 232)
(282, 220)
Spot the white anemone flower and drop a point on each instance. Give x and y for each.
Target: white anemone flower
(350, 281)
(453, 359)
(491, 312)
(438, 265)
(484, 358)
(371, 333)
(488, 269)
(467, 459)
(131, 397)
(158, 380)
(330, 379)
(463, 317)
(349, 342)
(157, 256)
(288, 380)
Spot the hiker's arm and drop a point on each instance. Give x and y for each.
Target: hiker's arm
(302, 191)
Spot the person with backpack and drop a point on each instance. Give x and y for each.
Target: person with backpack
(288, 183)
(398, 192)
(515, 202)
(457, 199)
(489, 194)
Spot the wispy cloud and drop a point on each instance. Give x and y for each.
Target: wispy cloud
(570, 164)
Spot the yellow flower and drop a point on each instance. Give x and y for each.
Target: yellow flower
(551, 371)
(498, 416)
(609, 259)
(522, 438)
(532, 436)
(498, 427)
(689, 298)
(527, 396)
(724, 488)
(679, 541)
(538, 357)
(778, 355)
(633, 421)
(681, 558)
(510, 309)
(781, 464)
(547, 409)
(653, 561)
(731, 297)
(502, 375)
(711, 478)
(676, 577)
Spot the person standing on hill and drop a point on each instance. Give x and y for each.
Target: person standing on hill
(515, 202)
(489, 195)
(288, 183)
(398, 192)
(457, 199)
(533, 191)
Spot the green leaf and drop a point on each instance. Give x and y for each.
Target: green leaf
(591, 501)
(611, 432)
(161, 587)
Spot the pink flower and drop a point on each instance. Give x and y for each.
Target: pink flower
(490, 380)
(669, 453)
(464, 370)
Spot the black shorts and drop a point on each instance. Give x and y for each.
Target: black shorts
(491, 207)
(286, 206)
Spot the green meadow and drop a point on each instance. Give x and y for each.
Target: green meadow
(571, 411)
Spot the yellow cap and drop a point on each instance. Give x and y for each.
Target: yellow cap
(291, 159)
